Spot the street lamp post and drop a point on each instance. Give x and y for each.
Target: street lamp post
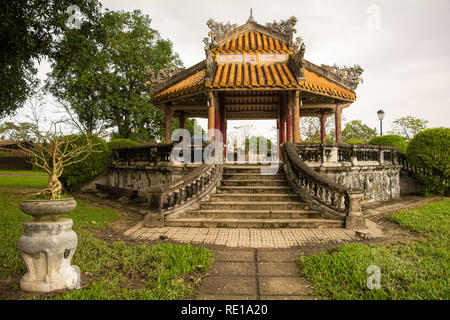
(381, 117)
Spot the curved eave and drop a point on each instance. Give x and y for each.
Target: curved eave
(255, 77)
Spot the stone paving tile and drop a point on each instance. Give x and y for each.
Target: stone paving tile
(277, 268)
(235, 255)
(224, 297)
(297, 297)
(233, 268)
(276, 255)
(228, 285)
(283, 286)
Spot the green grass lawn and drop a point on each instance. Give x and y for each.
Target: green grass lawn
(18, 181)
(418, 270)
(117, 270)
(30, 172)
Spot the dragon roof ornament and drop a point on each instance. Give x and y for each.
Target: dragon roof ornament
(352, 74)
(285, 27)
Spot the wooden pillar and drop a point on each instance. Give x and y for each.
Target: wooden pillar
(323, 119)
(288, 104)
(337, 120)
(182, 120)
(282, 121)
(296, 119)
(279, 136)
(168, 123)
(211, 115)
(222, 126)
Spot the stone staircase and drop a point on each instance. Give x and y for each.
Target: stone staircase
(247, 199)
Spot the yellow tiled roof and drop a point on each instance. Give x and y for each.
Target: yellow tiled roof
(253, 41)
(254, 76)
(189, 85)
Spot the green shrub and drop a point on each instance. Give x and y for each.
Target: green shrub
(429, 150)
(121, 143)
(78, 174)
(390, 140)
(355, 141)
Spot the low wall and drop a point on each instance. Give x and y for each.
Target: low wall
(378, 183)
(143, 177)
(373, 169)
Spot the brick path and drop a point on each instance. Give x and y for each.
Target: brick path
(276, 238)
(254, 274)
(251, 238)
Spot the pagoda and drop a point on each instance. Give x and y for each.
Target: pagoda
(256, 71)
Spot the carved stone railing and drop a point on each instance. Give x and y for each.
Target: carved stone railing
(328, 154)
(183, 193)
(334, 198)
(160, 152)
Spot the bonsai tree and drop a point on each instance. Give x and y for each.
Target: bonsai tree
(53, 152)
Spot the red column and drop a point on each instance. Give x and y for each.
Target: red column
(168, 124)
(211, 116)
(282, 121)
(182, 121)
(288, 108)
(337, 119)
(323, 119)
(223, 122)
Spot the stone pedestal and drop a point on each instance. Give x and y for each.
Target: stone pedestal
(47, 247)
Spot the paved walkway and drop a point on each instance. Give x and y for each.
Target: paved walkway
(277, 238)
(252, 238)
(254, 274)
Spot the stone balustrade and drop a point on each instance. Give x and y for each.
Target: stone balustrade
(332, 154)
(336, 199)
(176, 197)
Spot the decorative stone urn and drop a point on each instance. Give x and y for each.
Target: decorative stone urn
(54, 208)
(47, 247)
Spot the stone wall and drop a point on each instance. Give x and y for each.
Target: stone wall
(378, 182)
(142, 177)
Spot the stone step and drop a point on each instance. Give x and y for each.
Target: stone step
(229, 182)
(253, 189)
(252, 169)
(254, 205)
(252, 176)
(253, 214)
(253, 223)
(253, 197)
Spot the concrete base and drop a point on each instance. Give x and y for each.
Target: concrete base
(47, 247)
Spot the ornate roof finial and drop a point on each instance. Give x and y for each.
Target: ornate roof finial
(251, 19)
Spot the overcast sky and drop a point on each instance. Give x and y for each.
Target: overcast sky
(403, 45)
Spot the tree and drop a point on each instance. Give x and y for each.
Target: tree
(22, 131)
(407, 127)
(355, 130)
(101, 71)
(310, 129)
(29, 31)
(53, 152)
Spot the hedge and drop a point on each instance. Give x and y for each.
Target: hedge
(429, 150)
(121, 143)
(390, 140)
(78, 174)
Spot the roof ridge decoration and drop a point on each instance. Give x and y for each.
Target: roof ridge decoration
(352, 74)
(158, 77)
(285, 27)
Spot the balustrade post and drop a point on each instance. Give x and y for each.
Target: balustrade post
(381, 155)
(353, 157)
(354, 218)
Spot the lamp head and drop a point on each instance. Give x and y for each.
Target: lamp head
(380, 114)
